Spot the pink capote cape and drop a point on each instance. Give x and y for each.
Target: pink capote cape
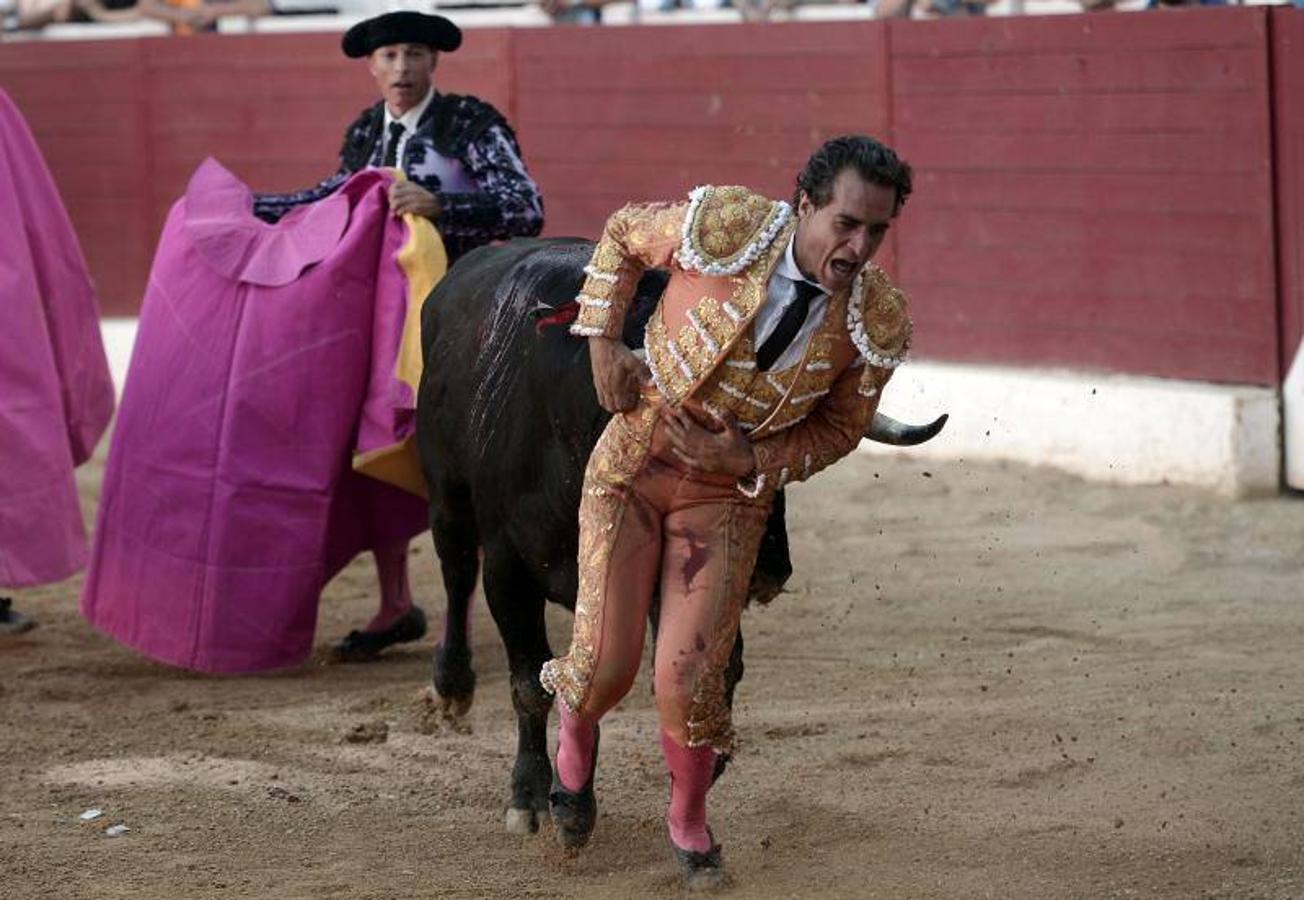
(265, 360)
(56, 396)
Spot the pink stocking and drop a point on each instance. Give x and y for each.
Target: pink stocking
(691, 772)
(575, 739)
(395, 592)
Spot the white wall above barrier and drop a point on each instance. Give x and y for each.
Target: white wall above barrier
(1116, 428)
(1292, 425)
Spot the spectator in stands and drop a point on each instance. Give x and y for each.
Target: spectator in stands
(208, 12)
(942, 9)
(762, 10)
(30, 15)
(1175, 4)
(181, 19)
(574, 12)
(589, 12)
(20, 15)
(932, 9)
(183, 16)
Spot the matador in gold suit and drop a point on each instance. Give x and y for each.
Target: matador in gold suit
(765, 360)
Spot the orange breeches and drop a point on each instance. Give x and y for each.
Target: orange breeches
(646, 519)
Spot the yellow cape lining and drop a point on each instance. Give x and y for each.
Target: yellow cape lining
(424, 261)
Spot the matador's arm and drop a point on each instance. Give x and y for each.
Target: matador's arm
(636, 238)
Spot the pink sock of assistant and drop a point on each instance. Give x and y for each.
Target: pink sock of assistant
(575, 739)
(395, 591)
(691, 772)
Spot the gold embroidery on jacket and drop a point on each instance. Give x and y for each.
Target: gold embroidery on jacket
(887, 325)
(682, 361)
(729, 227)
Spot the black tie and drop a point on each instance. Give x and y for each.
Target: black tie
(396, 130)
(789, 324)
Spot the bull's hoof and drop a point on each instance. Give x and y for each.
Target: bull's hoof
(454, 679)
(455, 707)
(522, 821)
(436, 714)
(701, 872)
(364, 646)
(764, 587)
(721, 764)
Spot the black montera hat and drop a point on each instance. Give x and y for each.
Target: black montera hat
(403, 27)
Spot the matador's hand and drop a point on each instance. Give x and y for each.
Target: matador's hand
(618, 375)
(407, 197)
(723, 452)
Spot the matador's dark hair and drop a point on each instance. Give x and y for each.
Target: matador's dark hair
(876, 163)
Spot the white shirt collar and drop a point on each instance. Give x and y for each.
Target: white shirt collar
(788, 268)
(410, 118)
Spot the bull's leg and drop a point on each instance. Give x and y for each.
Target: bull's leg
(773, 564)
(452, 525)
(516, 602)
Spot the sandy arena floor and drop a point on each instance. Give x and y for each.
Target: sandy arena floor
(987, 682)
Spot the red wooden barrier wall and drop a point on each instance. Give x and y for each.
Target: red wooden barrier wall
(1095, 191)
(1092, 192)
(82, 103)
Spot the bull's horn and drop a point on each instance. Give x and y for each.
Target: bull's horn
(887, 430)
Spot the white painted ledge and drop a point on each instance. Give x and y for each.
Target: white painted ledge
(1292, 405)
(119, 337)
(1116, 428)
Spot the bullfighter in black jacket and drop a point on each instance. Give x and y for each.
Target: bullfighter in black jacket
(464, 173)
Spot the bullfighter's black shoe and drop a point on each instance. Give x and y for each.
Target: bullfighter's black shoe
(12, 622)
(574, 813)
(701, 871)
(362, 646)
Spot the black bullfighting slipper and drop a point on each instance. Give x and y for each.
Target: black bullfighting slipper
(13, 622)
(362, 646)
(574, 813)
(701, 871)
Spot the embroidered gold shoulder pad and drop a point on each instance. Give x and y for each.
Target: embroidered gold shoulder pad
(728, 228)
(877, 319)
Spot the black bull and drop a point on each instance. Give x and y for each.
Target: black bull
(506, 418)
